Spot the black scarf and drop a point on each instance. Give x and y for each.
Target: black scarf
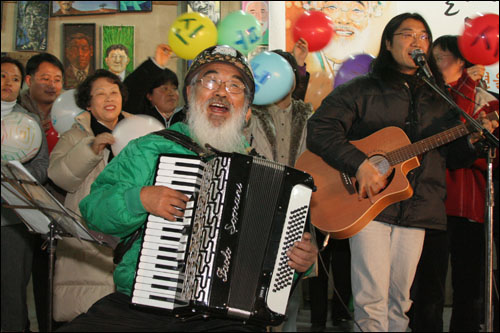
(99, 128)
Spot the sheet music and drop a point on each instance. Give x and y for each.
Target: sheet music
(38, 206)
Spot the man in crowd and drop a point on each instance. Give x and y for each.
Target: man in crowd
(219, 87)
(44, 77)
(385, 254)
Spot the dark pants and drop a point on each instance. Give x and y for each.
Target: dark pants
(113, 313)
(467, 273)
(428, 289)
(41, 282)
(337, 255)
(17, 253)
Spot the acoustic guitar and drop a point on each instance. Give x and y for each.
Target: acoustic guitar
(335, 207)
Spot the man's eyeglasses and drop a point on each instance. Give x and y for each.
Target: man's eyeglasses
(232, 86)
(413, 35)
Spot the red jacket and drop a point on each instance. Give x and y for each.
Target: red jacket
(466, 187)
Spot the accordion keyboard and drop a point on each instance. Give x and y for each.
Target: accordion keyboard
(159, 275)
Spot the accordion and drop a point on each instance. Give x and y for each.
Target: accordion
(227, 256)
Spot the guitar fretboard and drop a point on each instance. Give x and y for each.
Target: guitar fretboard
(405, 153)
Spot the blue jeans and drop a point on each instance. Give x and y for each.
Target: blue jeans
(384, 259)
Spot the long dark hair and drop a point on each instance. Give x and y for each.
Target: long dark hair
(384, 64)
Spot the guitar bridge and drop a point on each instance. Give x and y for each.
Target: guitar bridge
(348, 184)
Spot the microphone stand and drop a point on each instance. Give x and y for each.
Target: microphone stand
(492, 143)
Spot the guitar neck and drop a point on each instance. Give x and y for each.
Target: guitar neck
(405, 153)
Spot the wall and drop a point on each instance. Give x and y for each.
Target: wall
(151, 29)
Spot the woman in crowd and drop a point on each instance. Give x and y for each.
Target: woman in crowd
(153, 89)
(84, 270)
(466, 187)
(17, 242)
(464, 239)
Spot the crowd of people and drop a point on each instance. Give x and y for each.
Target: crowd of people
(399, 258)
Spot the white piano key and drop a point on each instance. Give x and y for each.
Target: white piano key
(154, 268)
(174, 255)
(167, 236)
(152, 303)
(171, 285)
(175, 159)
(168, 262)
(167, 224)
(193, 181)
(147, 289)
(156, 239)
(180, 248)
(179, 277)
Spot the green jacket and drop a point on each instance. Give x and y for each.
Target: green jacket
(114, 206)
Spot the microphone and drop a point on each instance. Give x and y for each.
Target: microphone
(420, 60)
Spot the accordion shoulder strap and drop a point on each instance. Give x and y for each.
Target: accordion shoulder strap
(182, 140)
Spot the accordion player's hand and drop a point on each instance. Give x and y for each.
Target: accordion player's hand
(303, 254)
(163, 201)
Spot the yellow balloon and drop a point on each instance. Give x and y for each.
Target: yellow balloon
(190, 34)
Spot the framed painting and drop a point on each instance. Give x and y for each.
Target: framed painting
(32, 25)
(208, 8)
(259, 9)
(136, 6)
(78, 53)
(118, 49)
(76, 8)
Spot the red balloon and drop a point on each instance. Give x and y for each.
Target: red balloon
(479, 41)
(52, 137)
(316, 28)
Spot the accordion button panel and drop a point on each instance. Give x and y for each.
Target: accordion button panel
(282, 276)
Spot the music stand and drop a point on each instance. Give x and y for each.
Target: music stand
(41, 213)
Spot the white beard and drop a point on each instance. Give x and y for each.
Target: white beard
(227, 137)
(340, 49)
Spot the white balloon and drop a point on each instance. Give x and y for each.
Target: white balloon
(132, 128)
(21, 137)
(64, 110)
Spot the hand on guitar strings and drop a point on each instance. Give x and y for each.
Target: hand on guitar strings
(370, 181)
(303, 254)
(163, 201)
(489, 123)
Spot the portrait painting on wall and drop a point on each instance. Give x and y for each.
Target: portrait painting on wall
(208, 8)
(78, 53)
(74, 8)
(259, 9)
(118, 49)
(136, 6)
(32, 25)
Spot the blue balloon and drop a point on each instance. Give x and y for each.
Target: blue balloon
(273, 77)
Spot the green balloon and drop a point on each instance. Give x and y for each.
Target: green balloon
(239, 30)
